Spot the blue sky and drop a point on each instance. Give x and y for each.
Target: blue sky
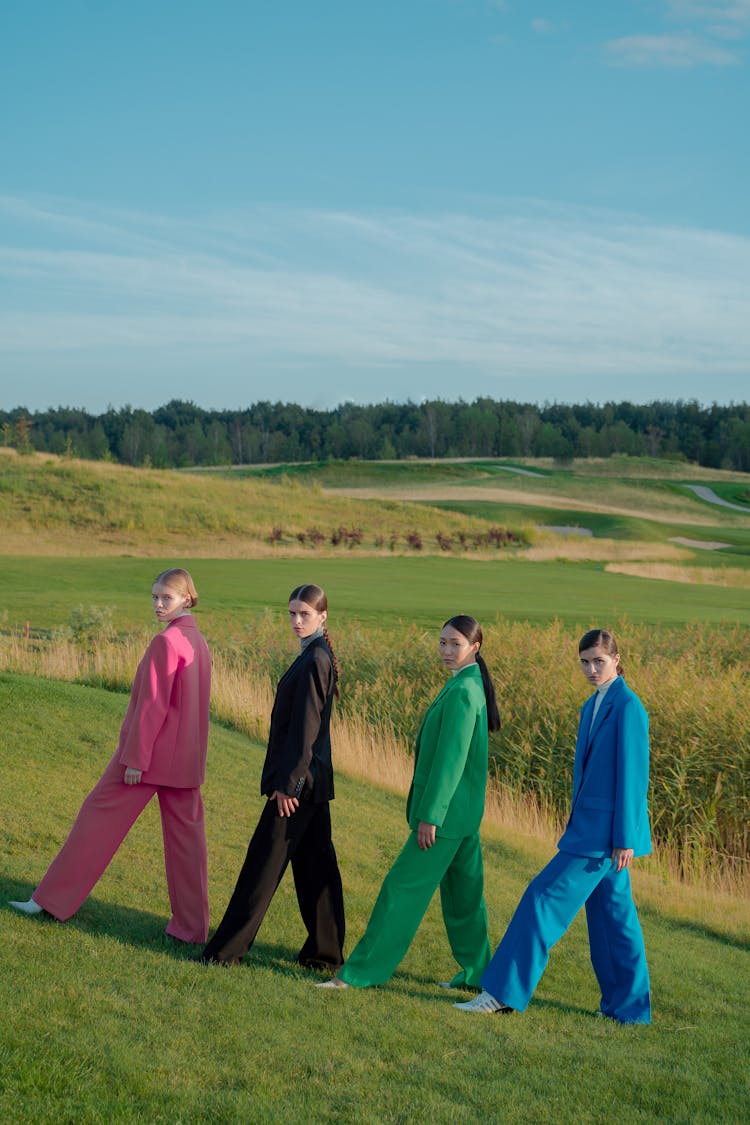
(228, 202)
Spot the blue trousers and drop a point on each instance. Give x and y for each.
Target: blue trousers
(546, 910)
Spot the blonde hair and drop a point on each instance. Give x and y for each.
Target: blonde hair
(179, 580)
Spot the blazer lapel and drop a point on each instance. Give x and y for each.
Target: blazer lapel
(605, 707)
(582, 744)
(445, 688)
(439, 696)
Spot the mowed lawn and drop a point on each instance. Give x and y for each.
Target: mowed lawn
(43, 591)
(107, 1020)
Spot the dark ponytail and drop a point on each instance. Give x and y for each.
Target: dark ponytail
(315, 597)
(334, 661)
(493, 715)
(471, 629)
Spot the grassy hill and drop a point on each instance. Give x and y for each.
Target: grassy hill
(629, 510)
(107, 1020)
(61, 506)
(642, 502)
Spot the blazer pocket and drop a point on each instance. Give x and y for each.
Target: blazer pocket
(602, 803)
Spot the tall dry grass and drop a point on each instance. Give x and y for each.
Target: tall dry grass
(572, 548)
(693, 681)
(695, 575)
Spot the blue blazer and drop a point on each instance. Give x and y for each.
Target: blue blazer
(610, 778)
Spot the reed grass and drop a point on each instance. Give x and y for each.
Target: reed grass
(693, 682)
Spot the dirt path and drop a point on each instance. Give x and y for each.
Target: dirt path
(511, 496)
(709, 495)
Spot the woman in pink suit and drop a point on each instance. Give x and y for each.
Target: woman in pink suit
(161, 752)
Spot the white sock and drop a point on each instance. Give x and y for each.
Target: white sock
(29, 907)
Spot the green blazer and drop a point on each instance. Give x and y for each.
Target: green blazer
(450, 760)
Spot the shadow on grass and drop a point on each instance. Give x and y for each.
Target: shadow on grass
(695, 929)
(144, 929)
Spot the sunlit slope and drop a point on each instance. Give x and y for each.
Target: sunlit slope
(106, 1019)
(53, 505)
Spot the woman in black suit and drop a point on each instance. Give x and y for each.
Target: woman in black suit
(295, 825)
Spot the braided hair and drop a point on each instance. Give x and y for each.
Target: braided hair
(315, 597)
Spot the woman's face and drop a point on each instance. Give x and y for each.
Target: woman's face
(455, 650)
(168, 603)
(305, 620)
(598, 666)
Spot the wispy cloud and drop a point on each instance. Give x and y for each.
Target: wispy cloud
(669, 51)
(702, 31)
(533, 290)
(721, 17)
(542, 26)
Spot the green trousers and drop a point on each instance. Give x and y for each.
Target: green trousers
(456, 867)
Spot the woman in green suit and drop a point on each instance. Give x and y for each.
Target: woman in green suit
(444, 811)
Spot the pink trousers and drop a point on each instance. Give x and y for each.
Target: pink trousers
(103, 822)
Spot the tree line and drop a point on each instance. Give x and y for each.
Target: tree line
(181, 434)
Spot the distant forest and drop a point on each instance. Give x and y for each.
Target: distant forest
(181, 434)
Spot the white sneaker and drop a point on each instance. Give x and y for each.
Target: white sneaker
(334, 982)
(29, 907)
(485, 1003)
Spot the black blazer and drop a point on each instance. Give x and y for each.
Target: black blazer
(298, 758)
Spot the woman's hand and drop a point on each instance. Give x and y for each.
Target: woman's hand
(621, 857)
(132, 777)
(425, 835)
(285, 805)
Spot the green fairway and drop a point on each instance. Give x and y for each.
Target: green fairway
(421, 590)
(107, 1020)
(606, 526)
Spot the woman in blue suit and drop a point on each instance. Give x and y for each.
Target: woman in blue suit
(608, 826)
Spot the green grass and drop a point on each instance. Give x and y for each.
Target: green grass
(380, 590)
(601, 525)
(606, 526)
(365, 474)
(107, 1020)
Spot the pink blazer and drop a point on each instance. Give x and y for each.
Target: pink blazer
(165, 730)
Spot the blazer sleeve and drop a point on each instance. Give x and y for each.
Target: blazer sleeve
(632, 774)
(457, 722)
(149, 705)
(311, 693)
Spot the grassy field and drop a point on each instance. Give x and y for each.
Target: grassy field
(463, 470)
(690, 676)
(107, 1020)
(617, 500)
(636, 500)
(384, 605)
(362, 507)
(422, 591)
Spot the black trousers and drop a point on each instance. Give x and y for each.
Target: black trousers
(304, 839)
